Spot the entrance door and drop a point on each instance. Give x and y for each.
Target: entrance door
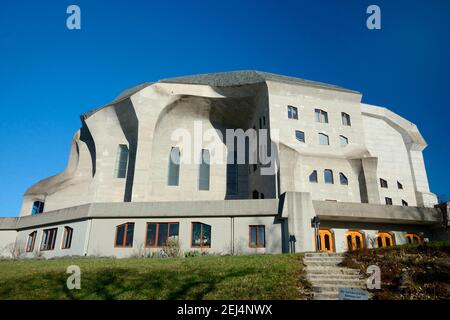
(385, 239)
(355, 240)
(326, 240)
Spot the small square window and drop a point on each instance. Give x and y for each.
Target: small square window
(292, 112)
(388, 201)
(399, 185)
(313, 176)
(383, 183)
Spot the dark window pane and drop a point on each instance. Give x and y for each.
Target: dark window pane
(358, 242)
(203, 181)
(232, 174)
(174, 167)
(151, 235)
(261, 236)
(206, 235)
(162, 234)
(129, 236)
(313, 176)
(379, 242)
(300, 135)
(253, 236)
(121, 161)
(173, 230)
(119, 235)
(328, 176)
(343, 179)
(388, 241)
(327, 242)
(196, 234)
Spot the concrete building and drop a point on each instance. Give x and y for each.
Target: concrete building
(357, 167)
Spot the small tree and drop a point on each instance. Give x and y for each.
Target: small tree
(171, 248)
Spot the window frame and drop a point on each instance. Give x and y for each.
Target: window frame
(201, 246)
(340, 179)
(125, 232)
(412, 235)
(118, 165)
(347, 118)
(387, 199)
(292, 108)
(324, 176)
(157, 233)
(384, 184)
(404, 203)
(316, 175)
(301, 132)
(174, 169)
(341, 139)
(257, 245)
(399, 185)
(381, 233)
(48, 247)
(321, 134)
(64, 239)
(320, 114)
(30, 246)
(40, 207)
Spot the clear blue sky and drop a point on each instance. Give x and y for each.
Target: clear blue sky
(50, 75)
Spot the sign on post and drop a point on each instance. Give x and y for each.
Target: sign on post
(353, 294)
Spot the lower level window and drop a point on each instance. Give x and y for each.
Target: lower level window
(257, 236)
(67, 238)
(413, 238)
(159, 233)
(124, 235)
(388, 201)
(31, 241)
(201, 235)
(48, 239)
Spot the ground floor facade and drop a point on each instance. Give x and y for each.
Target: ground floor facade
(230, 227)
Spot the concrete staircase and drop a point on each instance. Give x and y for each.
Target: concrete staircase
(327, 277)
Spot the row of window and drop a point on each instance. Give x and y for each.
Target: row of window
(384, 184)
(157, 235)
(328, 177)
(319, 115)
(355, 239)
(324, 140)
(48, 239)
(389, 202)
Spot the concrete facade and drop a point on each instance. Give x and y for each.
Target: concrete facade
(149, 120)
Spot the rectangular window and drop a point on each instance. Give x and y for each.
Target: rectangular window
(399, 185)
(257, 235)
(174, 167)
(121, 161)
(300, 135)
(388, 201)
(203, 179)
(346, 119)
(321, 116)
(159, 233)
(31, 241)
(404, 203)
(48, 239)
(67, 238)
(38, 207)
(124, 235)
(201, 235)
(292, 112)
(383, 183)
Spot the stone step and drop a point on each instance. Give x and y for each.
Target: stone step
(326, 295)
(333, 260)
(338, 282)
(319, 276)
(331, 270)
(334, 288)
(322, 263)
(310, 254)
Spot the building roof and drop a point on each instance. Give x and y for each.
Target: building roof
(236, 78)
(225, 79)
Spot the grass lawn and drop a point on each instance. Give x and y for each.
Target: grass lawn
(207, 277)
(408, 272)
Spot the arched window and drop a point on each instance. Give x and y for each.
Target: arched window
(404, 203)
(328, 176)
(346, 119)
(326, 239)
(255, 194)
(385, 239)
(203, 176)
(343, 179)
(313, 176)
(343, 141)
(413, 238)
(355, 240)
(300, 135)
(38, 207)
(323, 139)
(174, 167)
(120, 170)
